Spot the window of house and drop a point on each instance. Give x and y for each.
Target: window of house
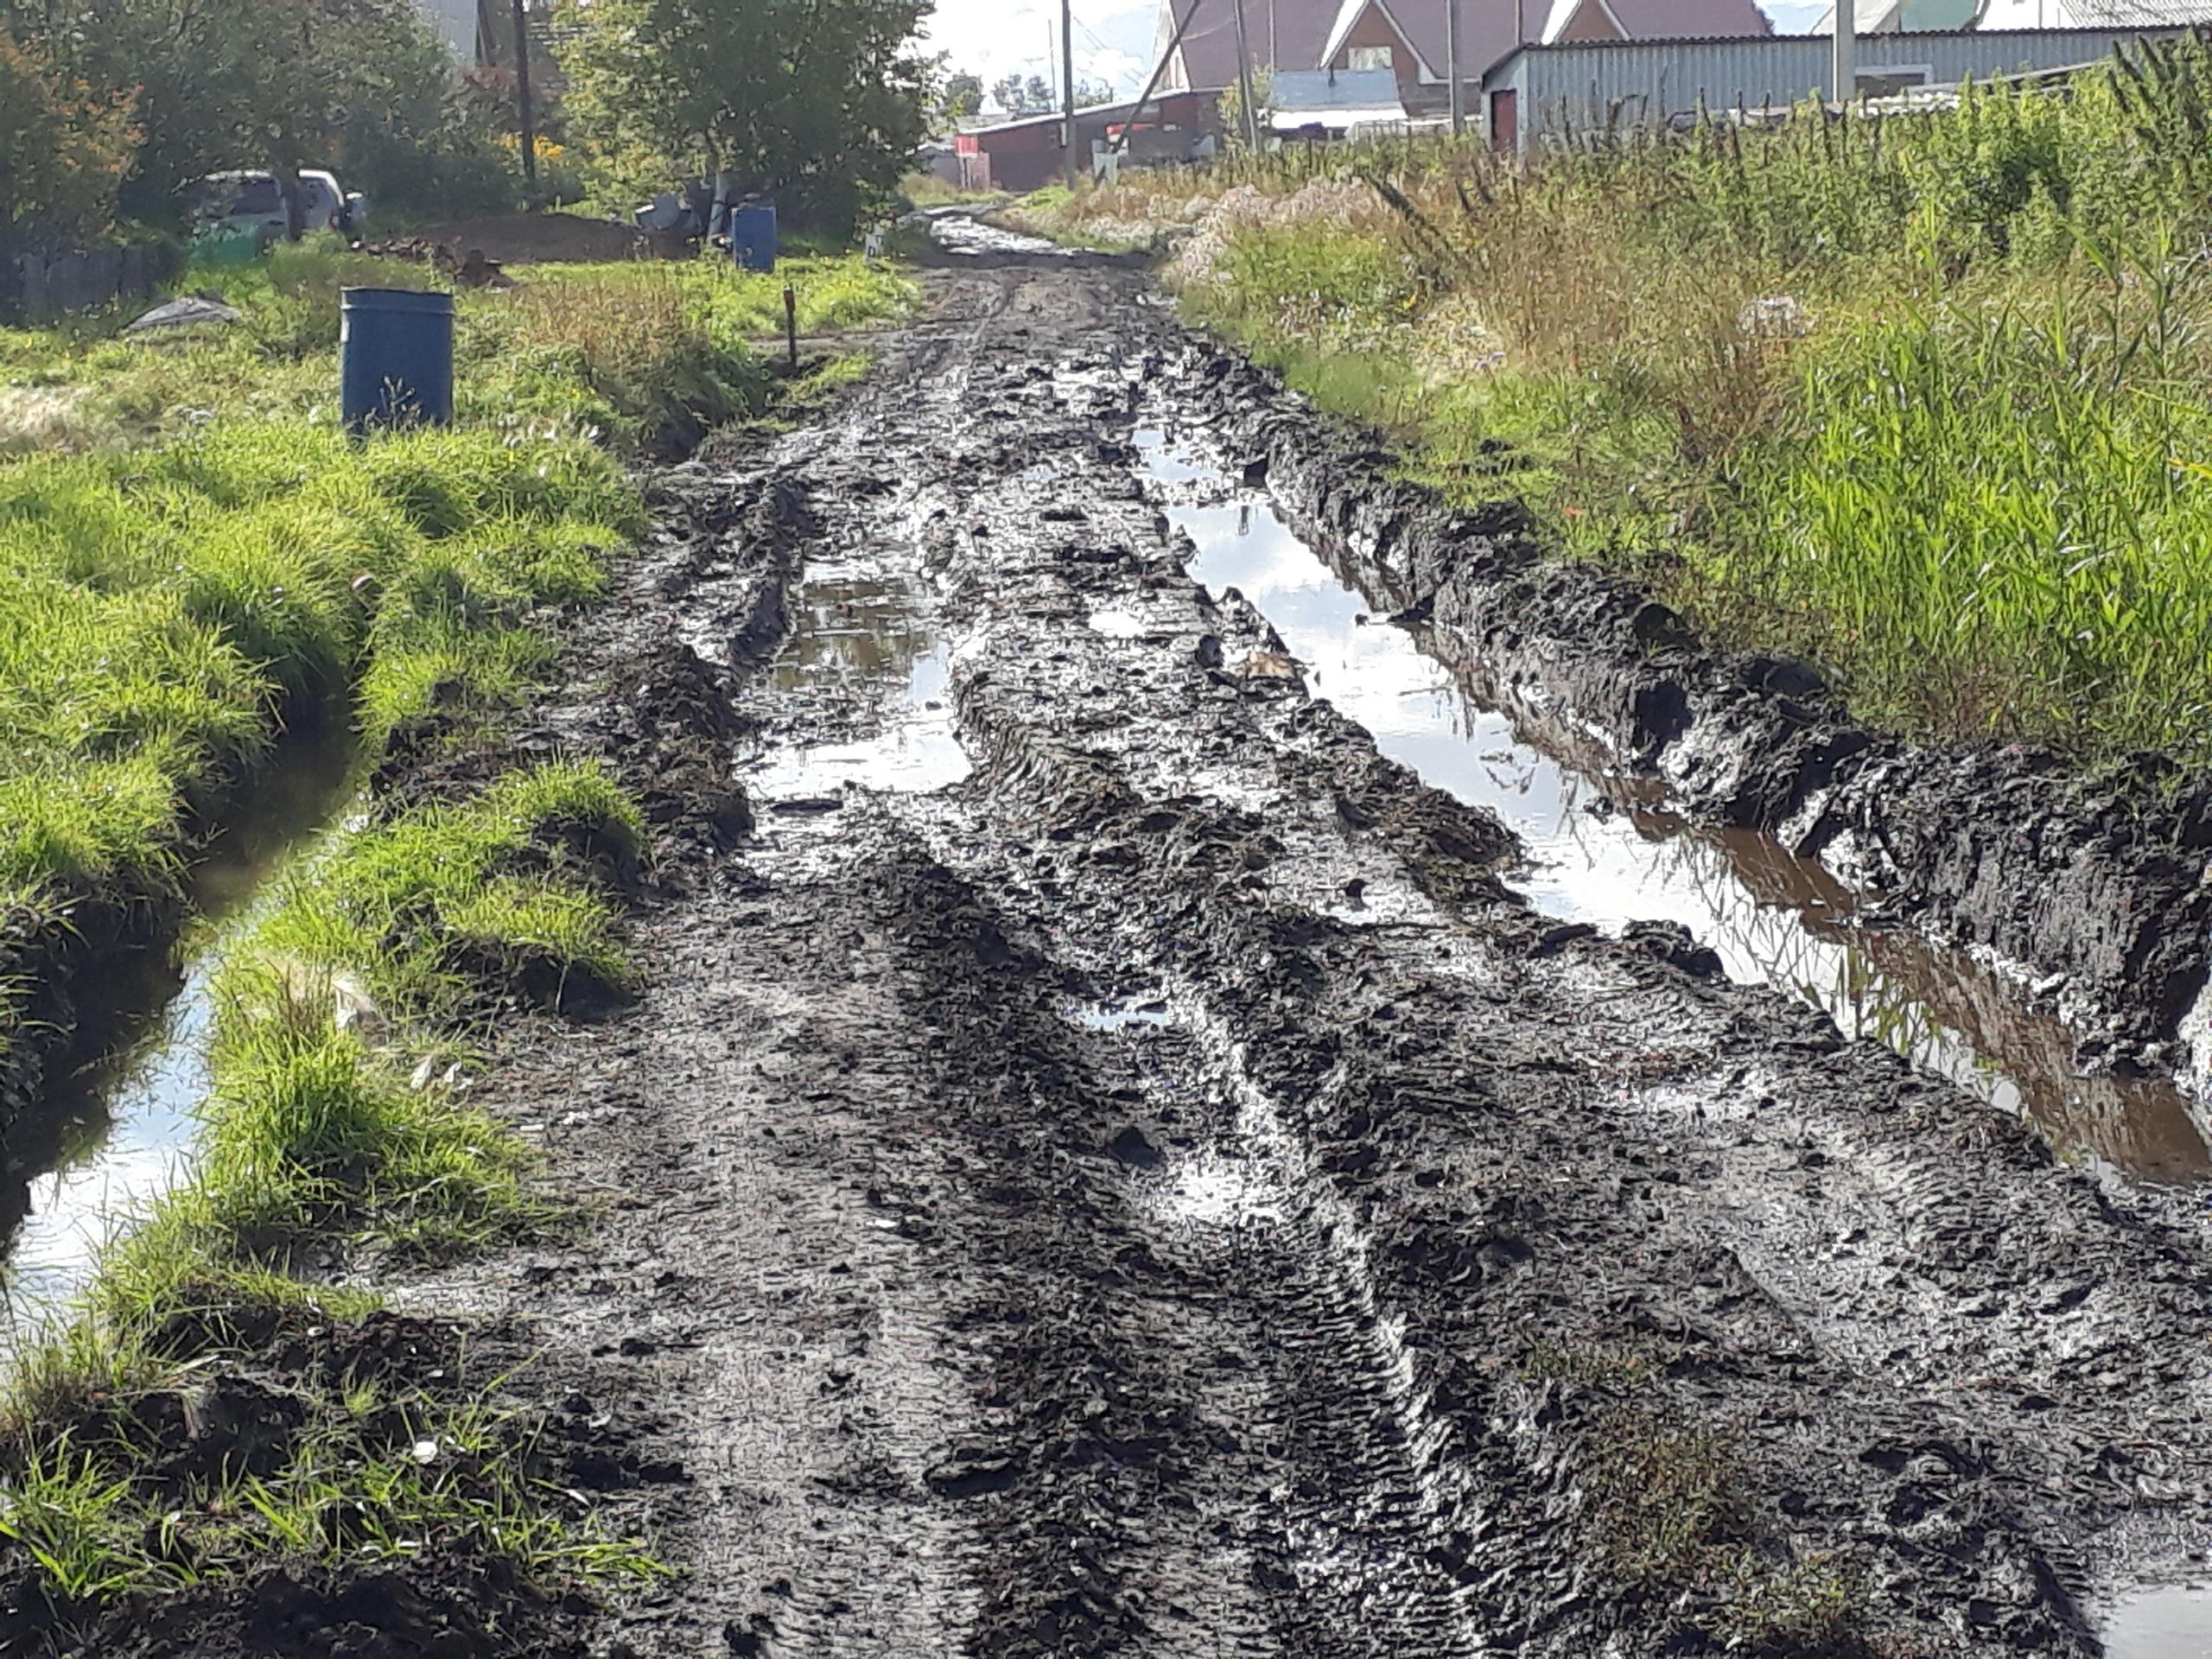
(1373, 57)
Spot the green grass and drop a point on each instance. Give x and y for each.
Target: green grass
(159, 613)
(643, 356)
(330, 1132)
(1921, 400)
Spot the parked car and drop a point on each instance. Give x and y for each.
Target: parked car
(230, 205)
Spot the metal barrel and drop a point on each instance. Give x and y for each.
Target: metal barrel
(753, 235)
(395, 347)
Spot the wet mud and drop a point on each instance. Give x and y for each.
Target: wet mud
(1112, 1157)
(1600, 845)
(2089, 889)
(1111, 1161)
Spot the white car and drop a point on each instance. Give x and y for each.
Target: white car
(253, 201)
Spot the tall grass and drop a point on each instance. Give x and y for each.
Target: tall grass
(1920, 397)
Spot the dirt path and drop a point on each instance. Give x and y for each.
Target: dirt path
(1107, 1166)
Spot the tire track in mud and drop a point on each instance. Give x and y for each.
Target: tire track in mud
(1414, 1277)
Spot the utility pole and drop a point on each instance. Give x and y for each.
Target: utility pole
(1452, 56)
(1843, 74)
(522, 110)
(1067, 82)
(1244, 83)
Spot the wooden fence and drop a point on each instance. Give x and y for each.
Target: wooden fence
(40, 287)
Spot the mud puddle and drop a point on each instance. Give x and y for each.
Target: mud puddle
(2169, 1624)
(117, 1136)
(1593, 855)
(861, 647)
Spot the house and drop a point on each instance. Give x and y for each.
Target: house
(1544, 92)
(1409, 38)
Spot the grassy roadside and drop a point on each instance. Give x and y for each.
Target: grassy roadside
(331, 1138)
(1922, 399)
(196, 558)
(176, 589)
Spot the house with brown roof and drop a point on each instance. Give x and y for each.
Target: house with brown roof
(1407, 37)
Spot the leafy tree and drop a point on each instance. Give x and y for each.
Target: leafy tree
(63, 149)
(1010, 95)
(1088, 92)
(364, 85)
(963, 97)
(1037, 97)
(820, 103)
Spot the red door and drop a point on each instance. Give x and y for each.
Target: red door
(1504, 121)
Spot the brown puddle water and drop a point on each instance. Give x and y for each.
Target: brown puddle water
(115, 1136)
(1592, 854)
(861, 640)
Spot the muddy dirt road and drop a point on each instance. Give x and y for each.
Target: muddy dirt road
(1110, 1165)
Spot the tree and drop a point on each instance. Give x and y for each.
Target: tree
(1232, 105)
(1088, 92)
(1011, 95)
(1037, 97)
(822, 104)
(963, 97)
(63, 150)
(276, 84)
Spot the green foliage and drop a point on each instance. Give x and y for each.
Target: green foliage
(366, 88)
(63, 148)
(503, 893)
(820, 105)
(159, 608)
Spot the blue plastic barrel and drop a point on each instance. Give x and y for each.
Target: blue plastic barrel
(753, 235)
(394, 349)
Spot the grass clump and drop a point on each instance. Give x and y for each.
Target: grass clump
(330, 1130)
(506, 895)
(1918, 397)
(160, 615)
(1667, 1503)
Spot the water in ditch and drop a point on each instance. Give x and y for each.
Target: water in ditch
(116, 1134)
(1593, 854)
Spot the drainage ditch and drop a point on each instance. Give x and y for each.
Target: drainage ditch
(116, 1135)
(1599, 851)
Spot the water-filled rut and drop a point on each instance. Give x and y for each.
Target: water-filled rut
(1601, 850)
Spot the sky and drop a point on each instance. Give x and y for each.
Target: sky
(996, 38)
(1113, 38)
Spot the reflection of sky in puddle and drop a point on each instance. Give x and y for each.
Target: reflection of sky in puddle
(1113, 1016)
(119, 1136)
(2169, 1624)
(1772, 917)
(860, 634)
(1213, 1191)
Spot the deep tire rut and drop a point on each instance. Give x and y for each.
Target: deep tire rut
(1159, 1192)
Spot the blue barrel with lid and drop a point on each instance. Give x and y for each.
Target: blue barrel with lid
(753, 235)
(394, 349)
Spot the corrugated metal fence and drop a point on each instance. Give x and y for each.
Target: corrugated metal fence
(1588, 86)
